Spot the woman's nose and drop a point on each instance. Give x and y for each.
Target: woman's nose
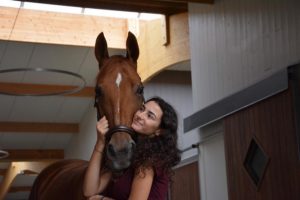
(140, 115)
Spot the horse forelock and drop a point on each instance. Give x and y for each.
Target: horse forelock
(118, 59)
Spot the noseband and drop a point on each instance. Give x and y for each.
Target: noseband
(121, 128)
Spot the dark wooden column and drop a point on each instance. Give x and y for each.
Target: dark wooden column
(185, 183)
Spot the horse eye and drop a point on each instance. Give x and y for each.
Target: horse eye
(98, 91)
(140, 90)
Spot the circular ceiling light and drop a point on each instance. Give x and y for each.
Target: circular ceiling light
(65, 92)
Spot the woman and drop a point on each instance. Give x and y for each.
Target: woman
(155, 154)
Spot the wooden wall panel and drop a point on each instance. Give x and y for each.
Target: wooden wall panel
(186, 183)
(271, 122)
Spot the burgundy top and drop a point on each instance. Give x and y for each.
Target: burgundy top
(120, 189)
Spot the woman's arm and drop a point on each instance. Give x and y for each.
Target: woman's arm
(99, 197)
(141, 184)
(95, 181)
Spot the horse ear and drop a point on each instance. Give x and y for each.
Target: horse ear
(101, 51)
(132, 47)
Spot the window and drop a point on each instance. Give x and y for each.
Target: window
(256, 162)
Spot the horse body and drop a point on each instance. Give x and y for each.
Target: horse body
(118, 94)
(61, 180)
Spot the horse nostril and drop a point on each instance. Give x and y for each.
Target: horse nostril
(111, 150)
(133, 145)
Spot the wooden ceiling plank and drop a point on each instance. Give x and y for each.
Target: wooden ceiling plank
(39, 127)
(63, 28)
(33, 154)
(29, 172)
(15, 189)
(3, 172)
(154, 56)
(27, 88)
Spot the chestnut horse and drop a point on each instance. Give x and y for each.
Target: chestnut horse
(119, 93)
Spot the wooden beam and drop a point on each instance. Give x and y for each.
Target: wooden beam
(37, 127)
(154, 55)
(33, 154)
(15, 169)
(29, 172)
(26, 88)
(19, 189)
(190, 1)
(3, 172)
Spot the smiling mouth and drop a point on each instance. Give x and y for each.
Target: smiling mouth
(137, 122)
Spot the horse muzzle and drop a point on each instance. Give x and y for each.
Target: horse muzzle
(120, 147)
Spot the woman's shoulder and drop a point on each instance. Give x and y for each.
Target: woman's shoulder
(156, 171)
(159, 171)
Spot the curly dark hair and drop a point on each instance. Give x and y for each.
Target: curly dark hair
(159, 151)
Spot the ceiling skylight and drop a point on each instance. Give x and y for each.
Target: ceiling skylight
(9, 3)
(110, 13)
(53, 8)
(79, 10)
(149, 16)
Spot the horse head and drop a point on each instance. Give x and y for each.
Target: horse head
(119, 93)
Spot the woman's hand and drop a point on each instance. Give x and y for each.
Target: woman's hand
(99, 197)
(96, 197)
(102, 128)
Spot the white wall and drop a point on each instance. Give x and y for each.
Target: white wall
(212, 169)
(175, 87)
(234, 44)
(82, 144)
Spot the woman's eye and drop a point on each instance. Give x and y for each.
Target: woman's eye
(150, 115)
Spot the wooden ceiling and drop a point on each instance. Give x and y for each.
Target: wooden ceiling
(167, 7)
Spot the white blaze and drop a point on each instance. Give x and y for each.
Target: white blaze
(118, 82)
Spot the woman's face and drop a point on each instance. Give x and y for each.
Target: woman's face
(147, 119)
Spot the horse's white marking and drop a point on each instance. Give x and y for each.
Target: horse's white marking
(119, 79)
(118, 83)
